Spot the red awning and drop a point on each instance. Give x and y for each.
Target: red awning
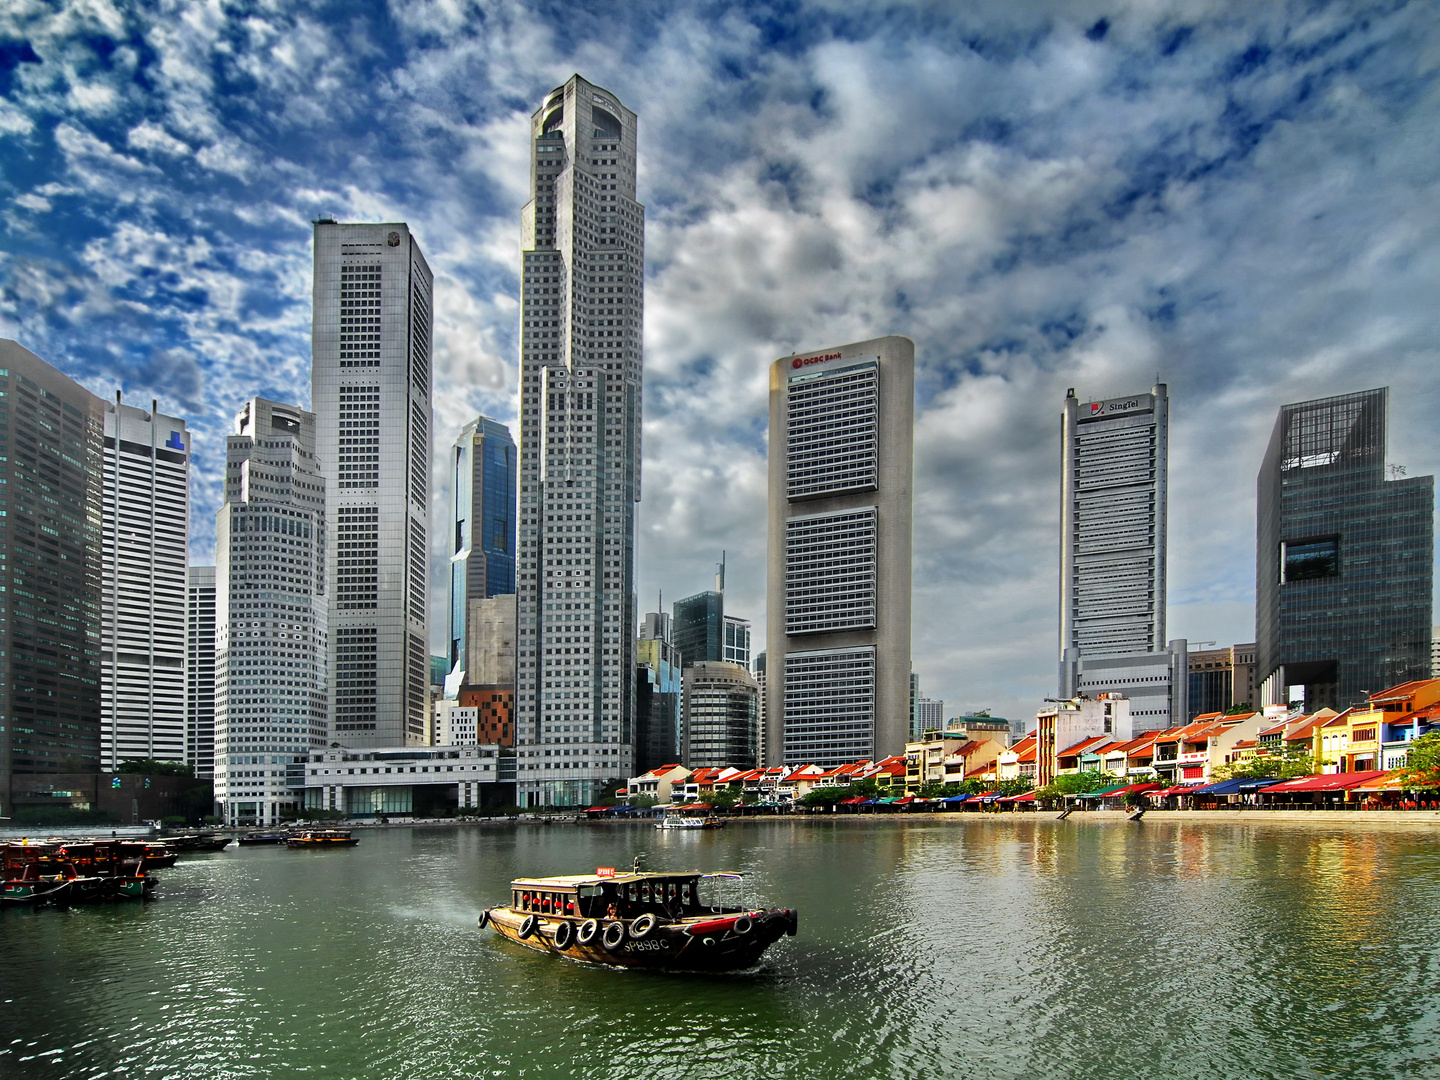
(1178, 789)
(1029, 796)
(1328, 782)
(852, 800)
(905, 801)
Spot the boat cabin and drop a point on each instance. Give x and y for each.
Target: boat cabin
(625, 896)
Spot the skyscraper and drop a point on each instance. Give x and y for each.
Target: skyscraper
(51, 467)
(271, 582)
(582, 276)
(700, 622)
(838, 632)
(482, 523)
(659, 738)
(721, 715)
(1344, 558)
(737, 641)
(1114, 487)
(200, 671)
(146, 538)
(370, 389)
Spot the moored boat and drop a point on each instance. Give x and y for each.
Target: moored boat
(642, 919)
(63, 872)
(256, 838)
(689, 817)
(321, 838)
(196, 843)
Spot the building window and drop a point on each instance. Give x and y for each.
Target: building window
(1305, 560)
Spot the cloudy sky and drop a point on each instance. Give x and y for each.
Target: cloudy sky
(1243, 198)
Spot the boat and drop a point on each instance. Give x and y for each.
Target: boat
(675, 921)
(255, 838)
(694, 816)
(74, 871)
(321, 838)
(196, 843)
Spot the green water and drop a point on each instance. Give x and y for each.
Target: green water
(985, 948)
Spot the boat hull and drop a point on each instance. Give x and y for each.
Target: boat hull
(669, 947)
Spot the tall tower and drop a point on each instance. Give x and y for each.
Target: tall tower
(271, 610)
(482, 523)
(1112, 557)
(583, 241)
(200, 671)
(52, 470)
(370, 389)
(146, 529)
(1344, 557)
(838, 609)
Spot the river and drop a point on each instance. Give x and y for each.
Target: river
(988, 948)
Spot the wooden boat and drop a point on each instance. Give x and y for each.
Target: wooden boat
(196, 843)
(321, 838)
(256, 838)
(73, 872)
(642, 920)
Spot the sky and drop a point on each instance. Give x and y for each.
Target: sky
(1241, 199)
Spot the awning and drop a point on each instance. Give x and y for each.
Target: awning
(1327, 782)
(1178, 789)
(1100, 793)
(955, 798)
(1237, 786)
(853, 800)
(906, 801)
(1029, 796)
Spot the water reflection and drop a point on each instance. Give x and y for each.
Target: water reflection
(1002, 947)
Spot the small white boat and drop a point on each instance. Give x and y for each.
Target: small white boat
(694, 816)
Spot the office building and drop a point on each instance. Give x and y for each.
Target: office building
(737, 641)
(1221, 679)
(1344, 560)
(1114, 490)
(720, 715)
(146, 536)
(761, 736)
(370, 389)
(699, 623)
(200, 670)
(929, 716)
(582, 277)
(659, 736)
(51, 472)
(489, 658)
(483, 466)
(838, 630)
(272, 646)
(405, 781)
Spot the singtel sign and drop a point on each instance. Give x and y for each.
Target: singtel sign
(1097, 410)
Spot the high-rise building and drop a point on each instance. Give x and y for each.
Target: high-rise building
(737, 641)
(51, 469)
(200, 670)
(1221, 679)
(721, 715)
(582, 276)
(272, 654)
(838, 630)
(659, 737)
(482, 522)
(1114, 487)
(1344, 559)
(700, 625)
(761, 736)
(146, 531)
(370, 389)
(929, 716)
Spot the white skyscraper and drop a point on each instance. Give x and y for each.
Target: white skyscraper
(838, 632)
(146, 522)
(200, 671)
(370, 389)
(1112, 558)
(270, 614)
(583, 241)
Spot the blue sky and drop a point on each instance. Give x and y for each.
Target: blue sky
(1239, 197)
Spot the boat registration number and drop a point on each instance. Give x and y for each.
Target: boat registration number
(646, 946)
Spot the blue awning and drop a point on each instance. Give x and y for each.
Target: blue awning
(954, 798)
(1234, 787)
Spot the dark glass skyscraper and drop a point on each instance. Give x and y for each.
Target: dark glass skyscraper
(482, 523)
(51, 432)
(700, 627)
(1344, 558)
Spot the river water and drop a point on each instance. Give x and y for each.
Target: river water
(988, 948)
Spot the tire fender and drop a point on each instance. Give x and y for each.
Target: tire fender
(588, 931)
(613, 936)
(742, 926)
(643, 927)
(564, 934)
(527, 927)
(484, 919)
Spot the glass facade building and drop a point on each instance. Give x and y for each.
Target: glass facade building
(482, 522)
(1344, 557)
(721, 715)
(659, 738)
(700, 627)
(51, 456)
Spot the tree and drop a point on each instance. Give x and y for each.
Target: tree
(152, 767)
(1288, 764)
(1422, 764)
(933, 790)
(722, 797)
(1074, 784)
(644, 802)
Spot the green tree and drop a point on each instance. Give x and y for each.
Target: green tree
(1074, 784)
(152, 767)
(1422, 764)
(722, 798)
(644, 802)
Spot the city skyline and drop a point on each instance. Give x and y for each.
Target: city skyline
(1220, 254)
